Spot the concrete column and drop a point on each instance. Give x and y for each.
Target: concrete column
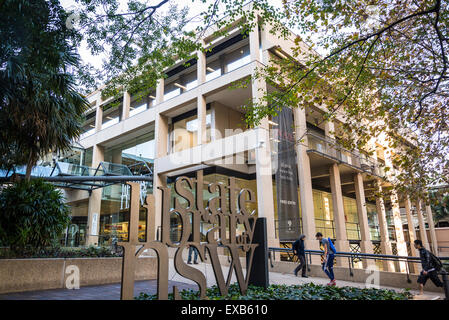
(305, 182)
(94, 206)
(201, 66)
(411, 225)
(265, 201)
(126, 105)
(400, 239)
(161, 144)
(160, 91)
(433, 236)
(422, 225)
(397, 221)
(265, 45)
(117, 156)
(341, 242)
(98, 114)
(329, 129)
(254, 44)
(414, 267)
(365, 244)
(201, 110)
(385, 243)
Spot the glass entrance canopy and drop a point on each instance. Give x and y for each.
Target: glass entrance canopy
(75, 176)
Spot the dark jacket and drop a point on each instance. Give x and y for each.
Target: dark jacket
(426, 260)
(298, 246)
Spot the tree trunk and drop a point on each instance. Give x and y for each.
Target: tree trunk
(30, 165)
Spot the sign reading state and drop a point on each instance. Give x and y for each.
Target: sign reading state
(225, 211)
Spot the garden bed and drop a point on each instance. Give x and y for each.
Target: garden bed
(293, 292)
(59, 252)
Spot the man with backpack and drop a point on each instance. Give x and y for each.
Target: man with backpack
(298, 249)
(430, 267)
(328, 257)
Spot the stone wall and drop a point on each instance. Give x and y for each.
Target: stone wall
(17, 275)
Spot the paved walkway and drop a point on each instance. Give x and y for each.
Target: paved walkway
(100, 292)
(112, 291)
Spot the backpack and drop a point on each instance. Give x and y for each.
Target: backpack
(331, 246)
(436, 261)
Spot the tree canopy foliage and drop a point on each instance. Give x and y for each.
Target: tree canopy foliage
(379, 66)
(40, 107)
(140, 40)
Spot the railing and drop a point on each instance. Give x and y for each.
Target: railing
(333, 149)
(351, 257)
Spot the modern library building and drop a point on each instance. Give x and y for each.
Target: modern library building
(192, 123)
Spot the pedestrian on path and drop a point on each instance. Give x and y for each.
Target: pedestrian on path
(299, 251)
(327, 258)
(430, 267)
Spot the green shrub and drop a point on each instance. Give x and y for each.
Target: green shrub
(59, 252)
(32, 215)
(308, 291)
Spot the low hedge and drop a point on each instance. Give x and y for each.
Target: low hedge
(59, 252)
(308, 291)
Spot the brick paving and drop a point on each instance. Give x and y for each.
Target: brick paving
(100, 292)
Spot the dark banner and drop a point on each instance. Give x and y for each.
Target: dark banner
(286, 177)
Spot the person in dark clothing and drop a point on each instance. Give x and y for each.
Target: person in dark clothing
(192, 249)
(428, 268)
(299, 250)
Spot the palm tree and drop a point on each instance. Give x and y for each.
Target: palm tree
(40, 109)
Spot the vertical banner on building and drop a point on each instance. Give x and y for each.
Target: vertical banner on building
(286, 177)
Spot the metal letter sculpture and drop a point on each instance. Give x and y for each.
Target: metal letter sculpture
(224, 211)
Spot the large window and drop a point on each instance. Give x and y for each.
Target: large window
(238, 58)
(77, 229)
(373, 221)
(184, 131)
(136, 157)
(112, 112)
(324, 217)
(351, 218)
(89, 124)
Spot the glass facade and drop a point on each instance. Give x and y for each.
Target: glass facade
(373, 221)
(351, 218)
(184, 131)
(77, 230)
(238, 58)
(112, 113)
(324, 216)
(137, 156)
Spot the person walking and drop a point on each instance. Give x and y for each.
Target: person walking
(327, 258)
(429, 267)
(299, 251)
(194, 250)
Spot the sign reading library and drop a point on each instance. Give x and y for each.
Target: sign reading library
(224, 212)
